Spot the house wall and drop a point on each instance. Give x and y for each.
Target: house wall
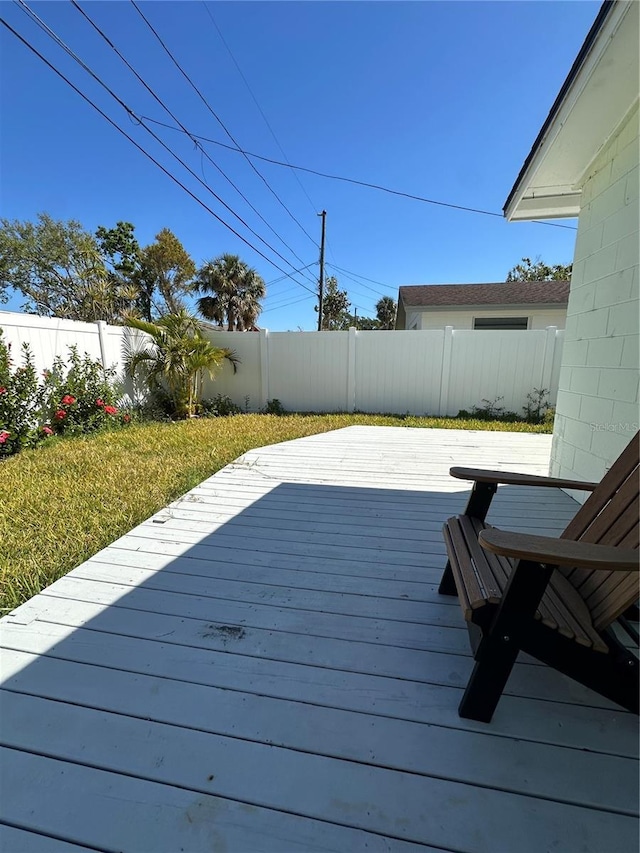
(597, 410)
(463, 319)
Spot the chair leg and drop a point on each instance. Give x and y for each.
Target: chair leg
(496, 657)
(480, 500)
(499, 648)
(447, 583)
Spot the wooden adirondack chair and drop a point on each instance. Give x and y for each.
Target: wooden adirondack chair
(555, 599)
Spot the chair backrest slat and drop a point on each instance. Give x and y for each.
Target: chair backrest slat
(609, 517)
(621, 470)
(625, 593)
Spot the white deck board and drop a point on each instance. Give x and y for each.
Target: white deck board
(266, 665)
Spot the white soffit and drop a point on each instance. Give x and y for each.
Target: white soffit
(604, 90)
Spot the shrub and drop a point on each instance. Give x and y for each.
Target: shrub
(80, 398)
(537, 407)
(19, 402)
(275, 407)
(219, 406)
(536, 411)
(493, 411)
(69, 400)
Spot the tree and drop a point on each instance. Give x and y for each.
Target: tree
(235, 292)
(539, 271)
(59, 268)
(175, 358)
(121, 253)
(165, 275)
(120, 249)
(386, 312)
(364, 324)
(335, 307)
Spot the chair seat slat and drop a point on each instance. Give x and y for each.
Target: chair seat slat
(481, 578)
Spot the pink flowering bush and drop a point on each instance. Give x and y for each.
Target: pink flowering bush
(19, 401)
(80, 396)
(70, 399)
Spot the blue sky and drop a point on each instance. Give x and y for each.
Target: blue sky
(437, 99)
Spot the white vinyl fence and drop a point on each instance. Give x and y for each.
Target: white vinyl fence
(49, 337)
(430, 372)
(417, 372)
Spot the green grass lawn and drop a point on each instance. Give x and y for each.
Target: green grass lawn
(69, 498)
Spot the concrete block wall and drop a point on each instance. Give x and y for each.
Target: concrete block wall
(598, 404)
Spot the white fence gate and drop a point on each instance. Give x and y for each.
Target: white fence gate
(417, 372)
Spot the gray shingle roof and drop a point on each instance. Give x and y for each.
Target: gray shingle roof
(499, 293)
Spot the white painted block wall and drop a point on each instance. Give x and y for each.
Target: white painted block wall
(598, 404)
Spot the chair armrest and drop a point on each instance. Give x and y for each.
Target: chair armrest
(510, 478)
(559, 552)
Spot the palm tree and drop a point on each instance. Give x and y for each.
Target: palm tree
(386, 312)
(175, 358)
(235, 291)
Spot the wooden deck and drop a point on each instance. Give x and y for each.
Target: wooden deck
(266, 665)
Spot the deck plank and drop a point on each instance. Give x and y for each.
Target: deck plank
(16, 840)
(361, 795)
(130, 814)
(270, 661)
(266, 664)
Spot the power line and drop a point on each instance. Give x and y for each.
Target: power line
(360, 284)
(255, 100)
(276, 280)
(43, 25)
(143, 150)
(286, 292)
(261, 111)
(216, 116)
(285, 305)
(177, 120)
(362, 183)
(349, 275)
(40, 23)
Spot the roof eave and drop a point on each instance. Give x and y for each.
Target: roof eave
(482, 306)
(562, 204)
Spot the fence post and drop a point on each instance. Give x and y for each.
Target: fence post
(351, 370)
(445, 375)
(102, 331)
(264, 366)
(548, 357)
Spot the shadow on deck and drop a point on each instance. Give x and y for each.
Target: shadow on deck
(288, 680)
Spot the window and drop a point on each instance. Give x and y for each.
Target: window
(501, 323)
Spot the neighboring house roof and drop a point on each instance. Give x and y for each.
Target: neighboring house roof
(501, 293)
(599, 91)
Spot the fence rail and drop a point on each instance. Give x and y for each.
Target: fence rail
(417, 372)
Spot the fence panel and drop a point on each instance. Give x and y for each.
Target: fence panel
(246, 382)
(488, 365)
(308, 371)
(48, 337)
(398, 371)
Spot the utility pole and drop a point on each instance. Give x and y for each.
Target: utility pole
(321, 281)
